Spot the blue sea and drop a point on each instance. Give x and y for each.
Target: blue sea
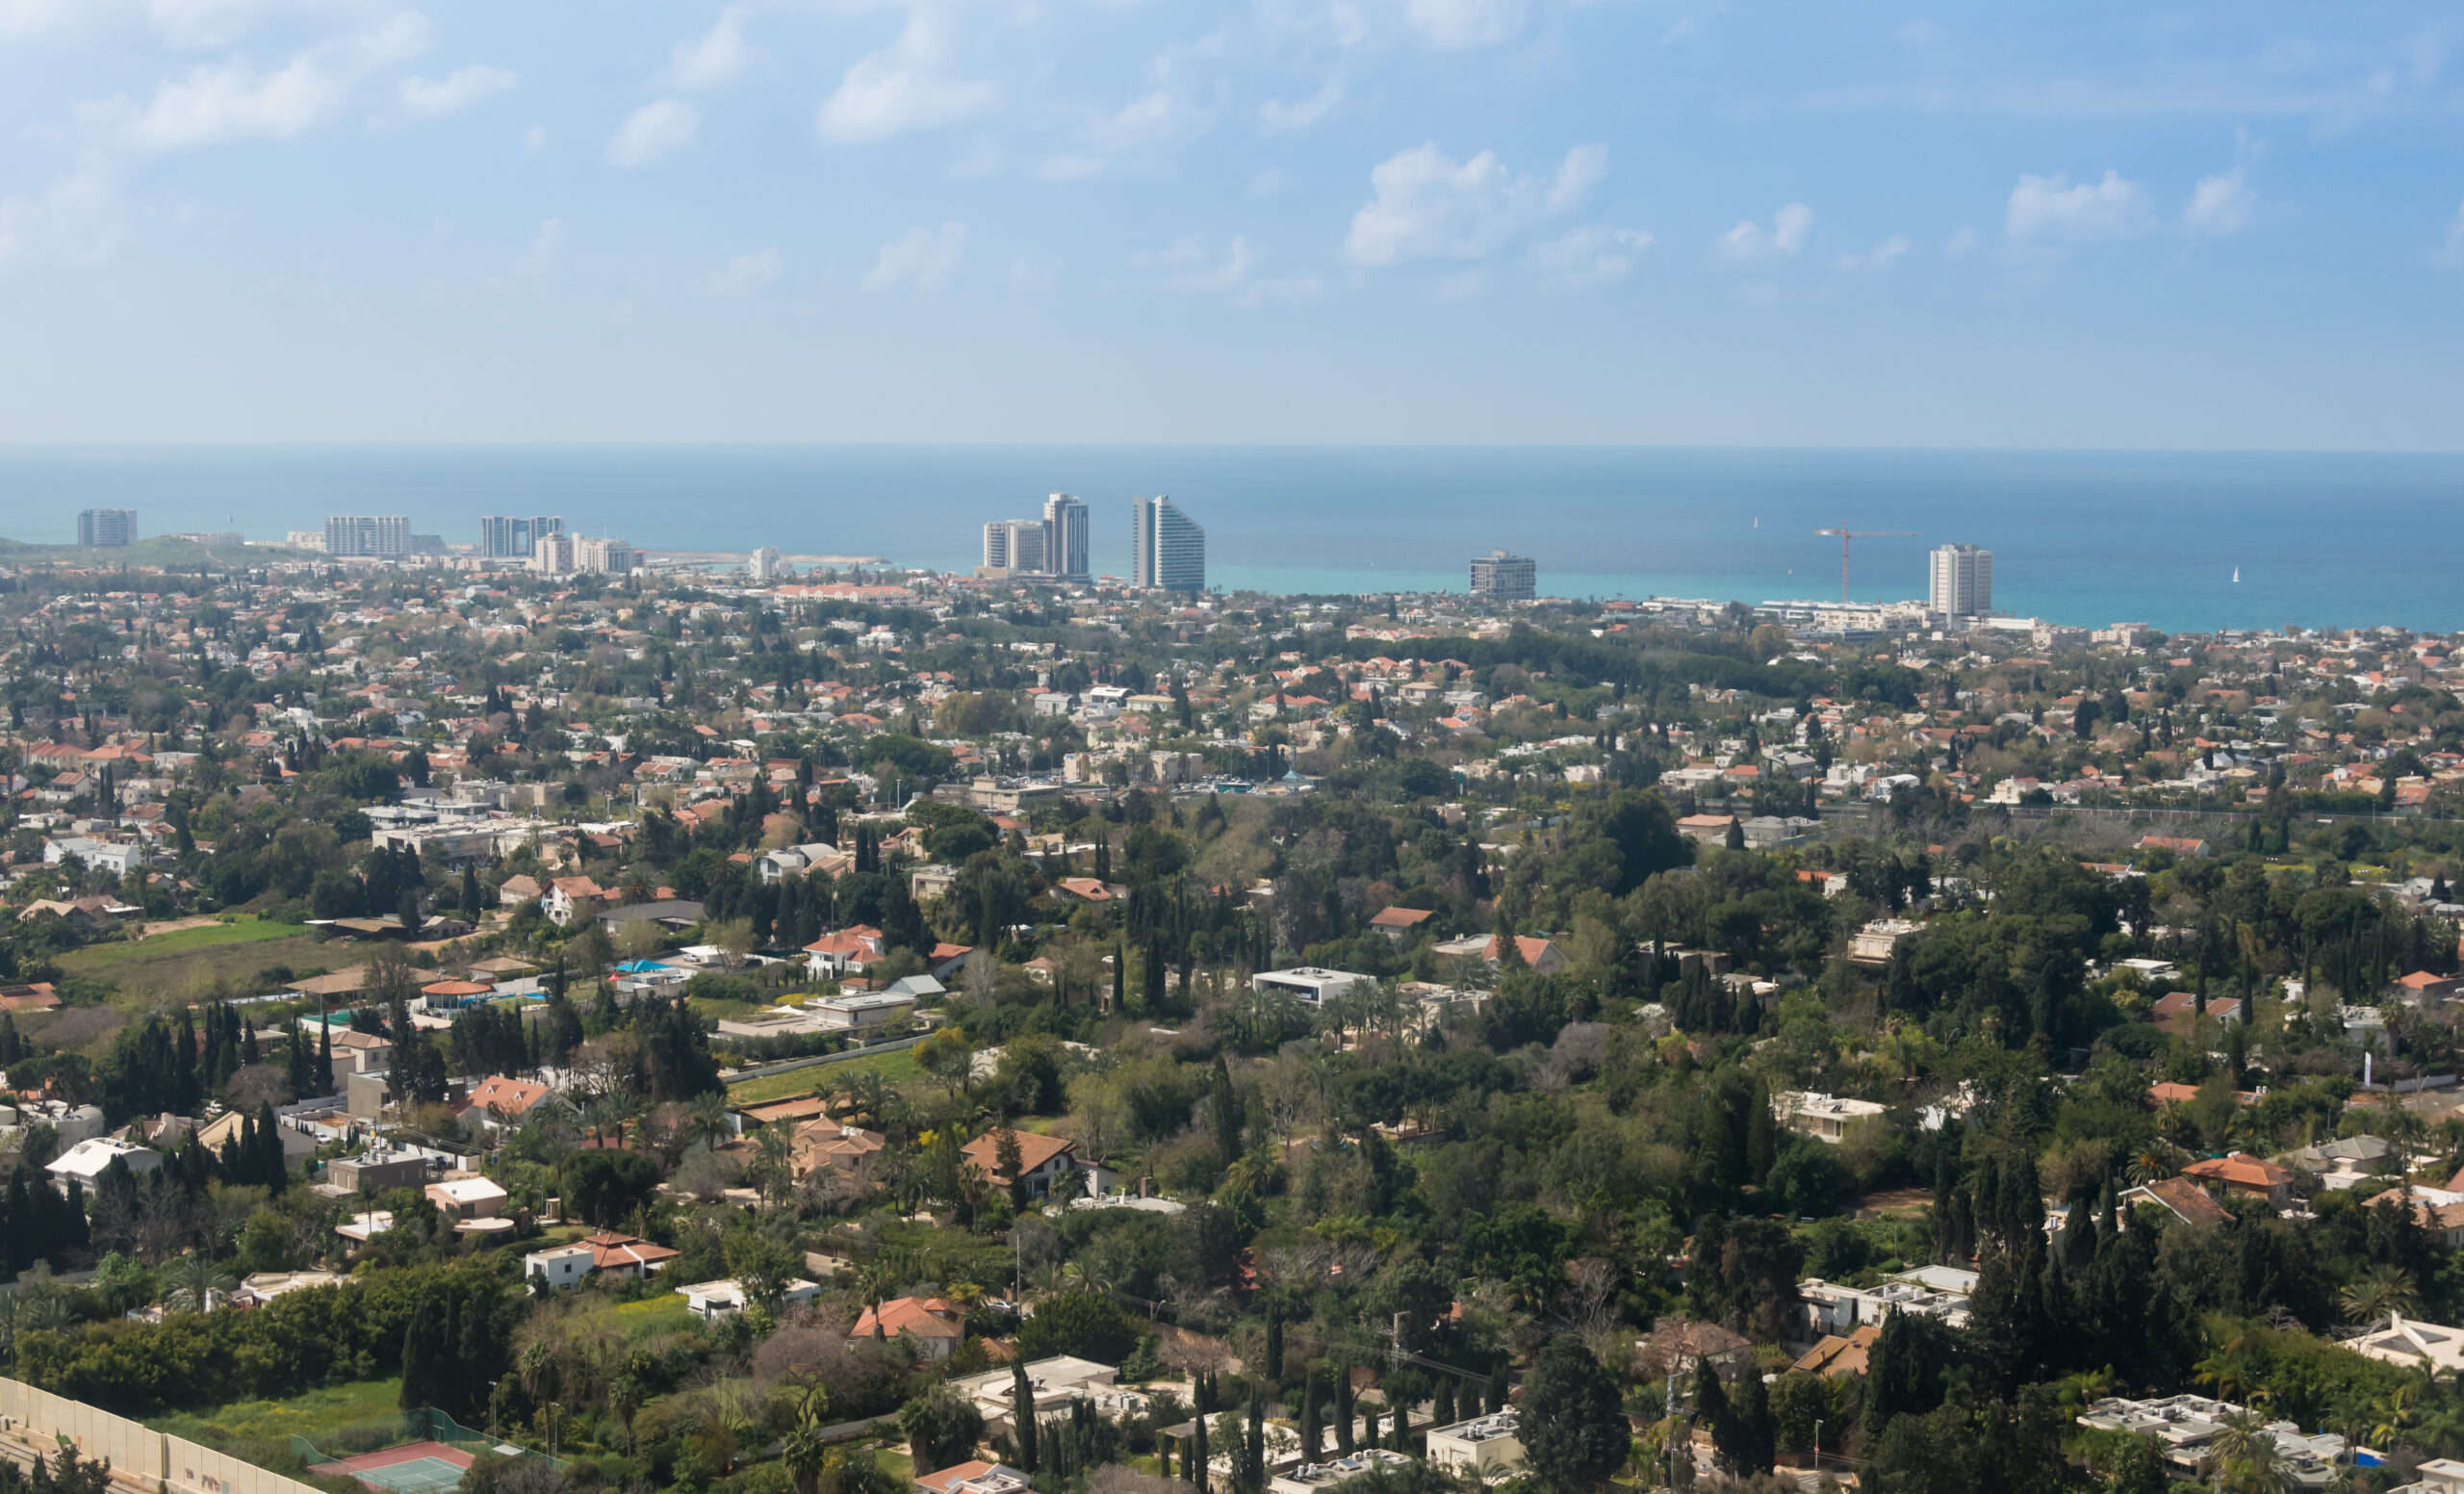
(2089, 538)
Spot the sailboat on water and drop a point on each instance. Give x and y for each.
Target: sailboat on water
(2237, 576)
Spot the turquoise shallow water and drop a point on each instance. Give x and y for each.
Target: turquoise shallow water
(2079, 537)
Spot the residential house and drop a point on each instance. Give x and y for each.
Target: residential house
(2186, 1429)
(297, 1146)
(1308, 984)
(1825, 1118)
(467, 1197)
(1679, 1344)
(560, 1268)
(1055, 1385)
(1318, 1478)
(725, 1299)
(1041, 1159)
(850, 951)
(568, 900)
(378, 1170)
(974, 1477)
(500, 1101)
(2251, 1178)
(2414, 1345)
(2177, 1012)
(932, 1326)
(2438, 1210)
(1706, 829)
(830, 1145)
(84, 1163)
(517, 889)
(1398, 923)
(2344, 1162)
(1877, 941)
(626, 1255)
(861, 1011)
(1849, 1353)
(1541, 956)
(2179, 1197)
(1485, 1448)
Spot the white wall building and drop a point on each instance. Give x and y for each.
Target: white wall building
(1168, 550)
(1963, 580)
(1485, 1448)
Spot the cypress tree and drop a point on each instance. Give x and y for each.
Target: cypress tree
(1311, 1434)
(1496, 1396)
(1022, 1415)
(1198, 1460)
(1342, 1406)
(419, 1353)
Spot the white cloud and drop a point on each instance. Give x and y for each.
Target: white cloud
(1880, 257)
(653, 132)
(1453, 25)
(547, 245)
(2220, 204)
(1426, 206)
(1586, 167)
(1587, 258)
(2451, 254)
(456, 91)
(745, 273)
(715, 58)
(1920, 32)
(904, 87)
(1187, 267)
(920, 257)
(71, 215)
(184, 25)
(2054, 207)
(1789, 229)
(225, 103)
(1275, 117)
(1960, 243)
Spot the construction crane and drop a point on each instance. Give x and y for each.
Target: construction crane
(1845, 535)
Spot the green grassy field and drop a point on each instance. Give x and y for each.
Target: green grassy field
(253, 1424)
(894, 1068)
(183, 961)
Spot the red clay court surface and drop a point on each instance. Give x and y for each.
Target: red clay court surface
(413, 1468)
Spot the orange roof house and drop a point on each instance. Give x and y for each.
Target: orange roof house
(2244, 1174)
(1041, 1159)
(933, 1326)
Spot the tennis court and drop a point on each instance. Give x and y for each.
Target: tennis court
(412, 1468)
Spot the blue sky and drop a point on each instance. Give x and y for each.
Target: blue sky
(1239, 221)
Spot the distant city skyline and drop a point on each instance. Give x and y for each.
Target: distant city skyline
(1500, 222)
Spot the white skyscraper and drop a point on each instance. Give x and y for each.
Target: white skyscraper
(1962, 582)
(1065, 537)
(367, 536)
(1014, 545)
(1167, 552)
(766, 566)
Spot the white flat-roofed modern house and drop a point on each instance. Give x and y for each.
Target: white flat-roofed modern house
(1308, 983)
(1486, 1448)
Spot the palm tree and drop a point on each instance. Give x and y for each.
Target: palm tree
(2151, 1165)
(806, 1451)
(193, 1282)
(710, 1118)
(2380, 1291)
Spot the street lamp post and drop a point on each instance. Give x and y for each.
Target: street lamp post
(1817, 1448)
